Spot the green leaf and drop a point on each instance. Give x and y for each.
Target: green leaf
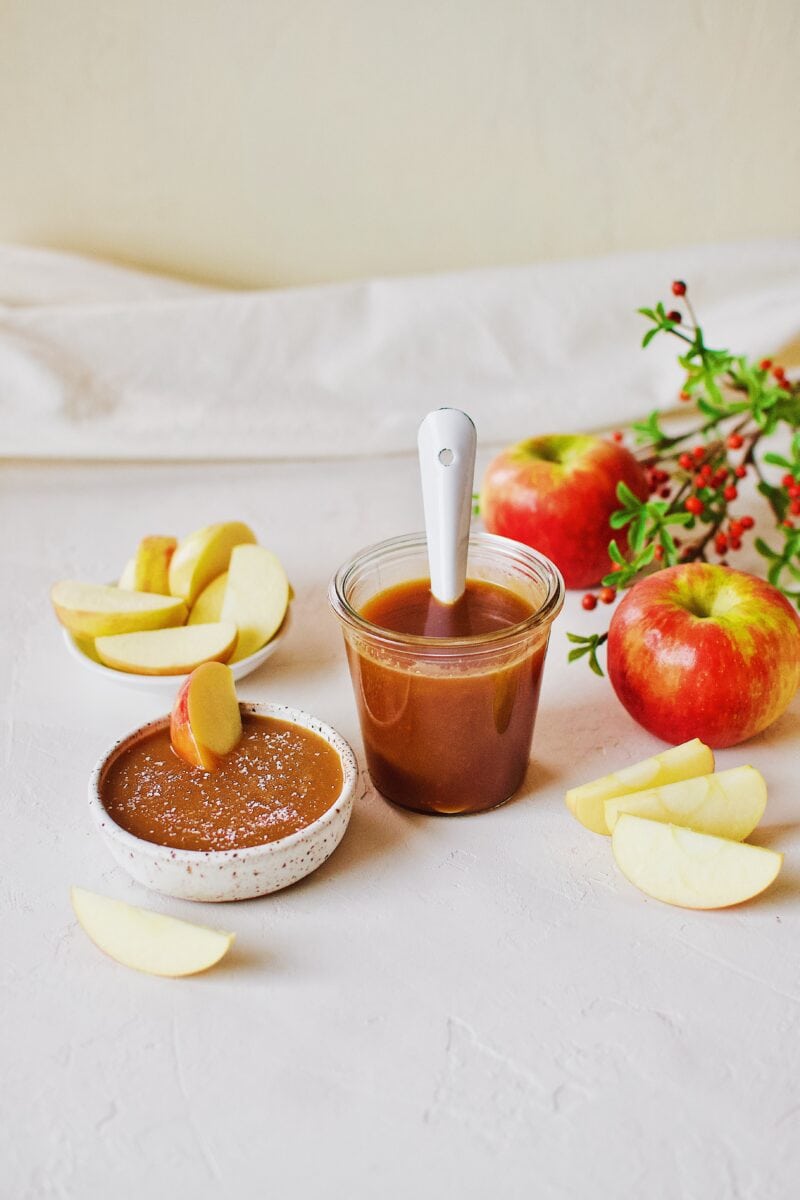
(626, 496)
(778, 461)
(648, 337)
(764, 550)
(620, 518)
(615, 554)
(577, 653)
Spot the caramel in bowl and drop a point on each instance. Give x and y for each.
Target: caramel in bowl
(269, 817)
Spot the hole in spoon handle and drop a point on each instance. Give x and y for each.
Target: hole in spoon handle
(447, 442)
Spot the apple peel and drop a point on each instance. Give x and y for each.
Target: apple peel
(148, 941)
(206, 722)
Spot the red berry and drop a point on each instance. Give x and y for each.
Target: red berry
(589, 601)
(694, 505)
(674, 316)
(720, 475)
(678, 287)
(617, 435)
(699, 452)
(740, 471)
(794, 490)
(736, 543)
(677, 541)
(659, 553)
(721, 544)
(706, 470)
(735, 528)
(765, 364)
(747, 522)
(665, 492)
(686, 462)
(699, 481)
(608, 595)
(730, 492)
(794, 508)
(779, 373)
(787, 480)
(735, 441)
(684, 396)
(787, 524)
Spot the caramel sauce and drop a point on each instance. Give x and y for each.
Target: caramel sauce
(279, 779)
(454, 740)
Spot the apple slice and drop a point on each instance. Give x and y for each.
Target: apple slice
(127, 580)
(148, 941)
(203, 555)
(729, 804)
(692, 870)
(94, 610)
(151, 564)
(671, 766)
(205, 723)
(168, 651)
(208, 605)
(256, 597)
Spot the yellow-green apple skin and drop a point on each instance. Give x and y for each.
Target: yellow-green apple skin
(168, 651)
(203, 555)
(692, 870)
(148, 941)
(256, 597)
(702, 650)
(556, 493)
(96, 610)
(728, 804)
(151, 564)
(587, 800)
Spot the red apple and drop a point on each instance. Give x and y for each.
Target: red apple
(556, 493)
(703, 651)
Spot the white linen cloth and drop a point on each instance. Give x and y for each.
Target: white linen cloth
(101, 362)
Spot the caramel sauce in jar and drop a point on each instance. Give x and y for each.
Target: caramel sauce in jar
(443, 733)
(279, 779)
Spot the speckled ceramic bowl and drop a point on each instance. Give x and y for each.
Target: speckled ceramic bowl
(215, 875)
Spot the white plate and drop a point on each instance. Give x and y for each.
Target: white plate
(169, 683)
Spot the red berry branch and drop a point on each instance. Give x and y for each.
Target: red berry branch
(693, 477)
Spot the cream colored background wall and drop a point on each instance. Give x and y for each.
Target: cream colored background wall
(261, 142)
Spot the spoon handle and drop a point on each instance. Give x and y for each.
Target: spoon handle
(447, 441)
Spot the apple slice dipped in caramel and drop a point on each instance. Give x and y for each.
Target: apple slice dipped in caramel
(148, 941)
(692, 870)
(729, 804)
(587, 802)
(205, 723)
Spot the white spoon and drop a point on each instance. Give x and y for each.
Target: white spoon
(447, 441)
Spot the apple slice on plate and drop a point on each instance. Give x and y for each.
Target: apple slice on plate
(203, 555)
(208, 605)
(729, 804)
(587, 802)
(95, 610)
(205, 723)
(256, 597)
(692, 870)
(148, 941)
(168, 651)
(151, 564)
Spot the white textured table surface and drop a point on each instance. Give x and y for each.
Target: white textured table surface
(461, 1008)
